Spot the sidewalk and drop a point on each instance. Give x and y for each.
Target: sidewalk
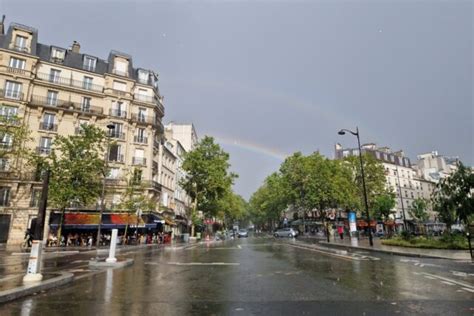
(363, 244)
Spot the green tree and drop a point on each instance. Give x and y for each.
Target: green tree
(134, 200)
(418, 210)
(77, 169)
(453, 197)
(209, 179)
(374, 180)
(384, 205)
(14, 154)
(232, 207)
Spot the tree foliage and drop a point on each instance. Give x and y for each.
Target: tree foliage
(77, 168)
(418, 210)
(453, 197)
(384, 205)
(209, 179)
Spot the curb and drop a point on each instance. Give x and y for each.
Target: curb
(25, 290)
(103, 264)
(391, 252)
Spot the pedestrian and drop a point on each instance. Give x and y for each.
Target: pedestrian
(340, 231)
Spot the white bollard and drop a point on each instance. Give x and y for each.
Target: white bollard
(34, 264)
(113, 245)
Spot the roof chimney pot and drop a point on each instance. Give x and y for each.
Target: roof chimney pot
(76, 47)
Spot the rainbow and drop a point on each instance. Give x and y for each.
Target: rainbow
(250, 146)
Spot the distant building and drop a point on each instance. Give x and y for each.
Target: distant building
(434, 167)
(400, 177)
(184, 133)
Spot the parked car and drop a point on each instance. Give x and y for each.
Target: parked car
(243, 233)
(285, 232)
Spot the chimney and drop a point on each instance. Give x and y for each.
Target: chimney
(2, 25)
(76, 47)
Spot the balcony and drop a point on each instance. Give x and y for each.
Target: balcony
(140, 139)
(145, 98)
(6, 146)
(57, 60)
(113, 181)
(140, 161)
(120, 72)
(116, 135)
(144, 119)
(116, 158)
(152, 184)
(65, 104)
(20, 48)
(63, 81)
(120, 93)
(118, 113)
(50, 127)
(43, 150)
(12, 94)
(17, 71)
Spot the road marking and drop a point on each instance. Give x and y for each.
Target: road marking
(450, 280)
(340, 256)
(238, 246)
(428, 277)
(470, 290)
(198, 263)
(448, 283)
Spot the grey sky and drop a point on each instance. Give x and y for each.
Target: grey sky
(274, 77)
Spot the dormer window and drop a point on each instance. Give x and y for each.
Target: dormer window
(121, 67)
(20, 43)
(58, 55)
(89, 63)
(143, 76)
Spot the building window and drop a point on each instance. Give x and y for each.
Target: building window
(35, 197)
(142, 114)
(6, 141)
(20, 43)
(57, 55)
(118, 109)
(54, 75)
(3, 164)
(45, 145)
(116, 132)
(143, 76)
(52, 98)
(87, 83)
(115, 153)
(86, 104)
(8, 112)
(89, 63)
(120, 68)
(48, 121)
(17, 63)
(4, 196)
(137, 176)
(13, 90)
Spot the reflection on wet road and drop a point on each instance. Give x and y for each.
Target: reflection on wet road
(263, 277)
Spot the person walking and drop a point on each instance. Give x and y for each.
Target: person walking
(340, 231)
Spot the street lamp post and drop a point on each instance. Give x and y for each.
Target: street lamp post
(356, 133)
(110, 128)
(401, 199)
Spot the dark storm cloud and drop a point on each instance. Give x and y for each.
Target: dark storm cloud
(288, 75)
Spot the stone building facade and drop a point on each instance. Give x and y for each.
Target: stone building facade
(54, 91)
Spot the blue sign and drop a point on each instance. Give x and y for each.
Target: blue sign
(352, 217)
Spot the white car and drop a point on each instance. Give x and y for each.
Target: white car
(285, 232)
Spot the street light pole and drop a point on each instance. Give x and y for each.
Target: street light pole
(110, 128)
(401, 199)
(356, 133)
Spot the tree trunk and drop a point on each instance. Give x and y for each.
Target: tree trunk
(60, 228)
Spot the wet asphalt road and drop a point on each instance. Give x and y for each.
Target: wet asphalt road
(257, 276)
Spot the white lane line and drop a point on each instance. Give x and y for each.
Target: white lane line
(238, 246)
(469, 290)
(428, 277)
(450, 280)
(196, 263)
(448, 283)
